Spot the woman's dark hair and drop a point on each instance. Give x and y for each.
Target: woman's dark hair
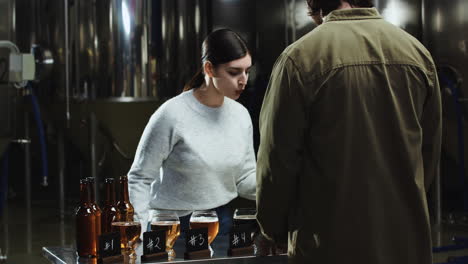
(326, 6)
(220, 46)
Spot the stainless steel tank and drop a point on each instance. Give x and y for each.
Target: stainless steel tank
(128, 49)
(116, 61)
(279, 23)
(405, 14)
(117, 49)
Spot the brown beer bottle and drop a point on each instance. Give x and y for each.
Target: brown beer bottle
(86, 224)
(96, 209)
(109, 209)
(124, 207)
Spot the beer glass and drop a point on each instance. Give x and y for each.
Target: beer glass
(129, 233)
(246, 217)
(168, 221)
(206, 219)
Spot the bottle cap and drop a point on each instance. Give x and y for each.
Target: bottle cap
(109, 180)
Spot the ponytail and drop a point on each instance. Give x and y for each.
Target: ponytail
(196, 81)
(220, 46)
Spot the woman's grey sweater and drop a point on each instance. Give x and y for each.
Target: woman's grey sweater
(193, 157)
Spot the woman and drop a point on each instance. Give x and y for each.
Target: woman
(196, 152)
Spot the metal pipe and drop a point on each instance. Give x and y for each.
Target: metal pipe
(27, 180)
(293, 20)
(4, 214)
(424, 39)
(10, 45)
(6, 249)
(4, 180)
(61, 172)
(93, 155)
(12, 32)
(287, 20)
(67, 63)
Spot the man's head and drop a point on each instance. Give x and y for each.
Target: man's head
(321, 8)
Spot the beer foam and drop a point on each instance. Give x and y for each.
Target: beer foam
(165, 223)
(126, 223)
(245, 217)
(203, 220)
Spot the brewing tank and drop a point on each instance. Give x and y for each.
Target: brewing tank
(406, 14)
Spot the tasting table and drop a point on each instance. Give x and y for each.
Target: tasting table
(59, 255)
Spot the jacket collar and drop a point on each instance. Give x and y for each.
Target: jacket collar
(353, 14)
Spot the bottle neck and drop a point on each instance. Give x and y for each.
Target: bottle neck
(110, 193)
(124, 191)
(85, 196)
(91, 192)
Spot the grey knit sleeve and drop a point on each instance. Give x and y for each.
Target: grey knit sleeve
(155, 145)
(247, 180)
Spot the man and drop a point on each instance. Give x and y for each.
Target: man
(350, 141)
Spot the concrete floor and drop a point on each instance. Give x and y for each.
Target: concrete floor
(47, 229)
(443, 238)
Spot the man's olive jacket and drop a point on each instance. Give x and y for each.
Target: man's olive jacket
(350, 141)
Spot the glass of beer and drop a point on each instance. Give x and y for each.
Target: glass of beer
(168, 221)
(206, 219)
(129, 233)
(246, 217)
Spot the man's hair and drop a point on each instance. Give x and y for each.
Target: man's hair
(324, 7)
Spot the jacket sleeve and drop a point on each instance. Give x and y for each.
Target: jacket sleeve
(246, 183)
(432, 131)
(282, 128)
(154, 147)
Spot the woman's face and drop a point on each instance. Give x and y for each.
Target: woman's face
(231, 78)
